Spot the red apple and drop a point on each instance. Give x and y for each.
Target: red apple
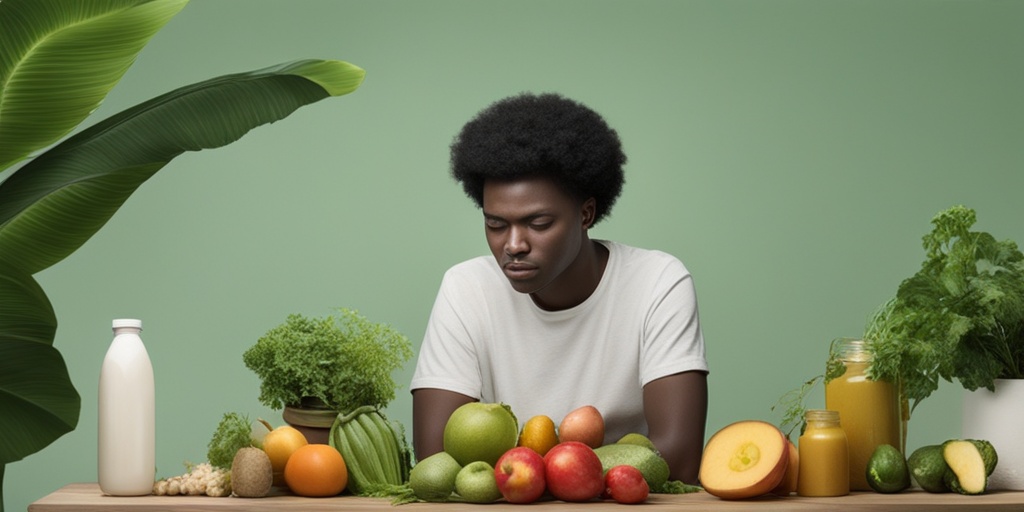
(574, 472)
(520, 475)
(584, 424)
(626, 484)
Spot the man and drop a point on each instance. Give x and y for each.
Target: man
(557, 320)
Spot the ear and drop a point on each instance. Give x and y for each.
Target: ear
(588, 211)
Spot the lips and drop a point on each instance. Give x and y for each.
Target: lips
(519, 270)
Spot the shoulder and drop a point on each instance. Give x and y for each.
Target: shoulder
(480, 271)
(635, 261)
(473, 267)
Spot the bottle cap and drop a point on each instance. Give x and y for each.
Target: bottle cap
(127, 322)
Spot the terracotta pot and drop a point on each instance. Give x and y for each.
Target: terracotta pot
(314, 422)
(997, 418)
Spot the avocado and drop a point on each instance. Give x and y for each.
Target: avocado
(928, 468)
(967, 468)
(988, 454)
(638, 439)
(887, 470)
(651, 465)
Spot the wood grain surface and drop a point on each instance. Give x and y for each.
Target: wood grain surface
(86, 497)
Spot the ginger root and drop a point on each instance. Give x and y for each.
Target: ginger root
(201, 479)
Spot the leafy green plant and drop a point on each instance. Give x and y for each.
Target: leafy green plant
(233, 433)
(344, 362)
(960, 317)
(59, 61)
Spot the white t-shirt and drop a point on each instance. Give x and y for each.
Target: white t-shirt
(488, 341)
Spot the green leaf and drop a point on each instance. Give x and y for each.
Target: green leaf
(38, 401)
(56, 202)
(61, 58)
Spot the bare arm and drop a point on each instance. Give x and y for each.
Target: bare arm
(676, 409)
(430, 411)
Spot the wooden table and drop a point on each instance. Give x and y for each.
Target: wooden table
(86, 497)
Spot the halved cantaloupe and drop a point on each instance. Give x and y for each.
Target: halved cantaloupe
(744, 459)
(788, 484)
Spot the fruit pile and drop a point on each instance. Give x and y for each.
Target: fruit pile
(751, 458)
(487, 458)
(283, 457)
(306, 469)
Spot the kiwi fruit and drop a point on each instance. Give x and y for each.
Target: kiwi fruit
(251, 473)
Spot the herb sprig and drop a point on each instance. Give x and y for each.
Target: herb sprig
(233, 433)
(793, 401)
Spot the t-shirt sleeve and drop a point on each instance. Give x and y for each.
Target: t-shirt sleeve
(447, 357)
(673, 341)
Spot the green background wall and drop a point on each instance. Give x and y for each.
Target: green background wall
(791, 153)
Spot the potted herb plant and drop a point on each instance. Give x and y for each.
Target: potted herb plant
(53, 202)
(317, 368)
(961, 318)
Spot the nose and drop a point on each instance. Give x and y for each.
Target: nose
(517, 242)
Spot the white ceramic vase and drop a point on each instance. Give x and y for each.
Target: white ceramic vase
(997, 417)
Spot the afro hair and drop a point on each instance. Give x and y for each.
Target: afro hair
(546, 135)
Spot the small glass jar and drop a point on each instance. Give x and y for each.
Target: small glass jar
(870, 409)
(824, 456)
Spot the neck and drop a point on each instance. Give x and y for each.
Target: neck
(578, 282)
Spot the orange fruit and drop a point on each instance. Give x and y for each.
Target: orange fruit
(316, 470)
(539, 434)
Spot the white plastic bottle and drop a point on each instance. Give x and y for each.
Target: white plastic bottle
(127, 415)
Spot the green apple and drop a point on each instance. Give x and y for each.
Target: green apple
(480, 431)
(475, 483)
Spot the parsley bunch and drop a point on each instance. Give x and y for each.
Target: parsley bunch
(344, 361)
(233, 433)
(961, 316)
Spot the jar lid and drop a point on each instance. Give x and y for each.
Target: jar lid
(854, 350)
(127, 322)
(823, 415)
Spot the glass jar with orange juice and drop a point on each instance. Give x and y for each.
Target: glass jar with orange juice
(870, 409)
(824, 456)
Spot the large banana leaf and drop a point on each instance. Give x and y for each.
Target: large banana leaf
(38, 403)
(53, 204)
(60, 58)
